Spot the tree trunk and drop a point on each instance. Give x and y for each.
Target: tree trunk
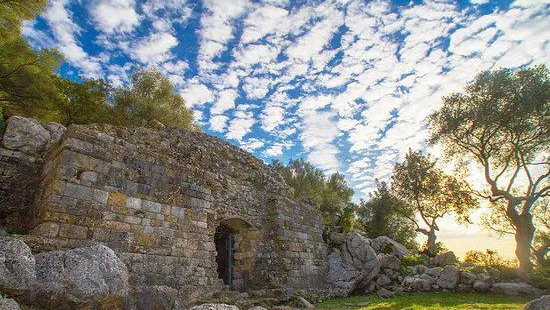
(525, 231)
(431, 242)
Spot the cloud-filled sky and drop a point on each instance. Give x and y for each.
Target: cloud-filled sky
(344, 84)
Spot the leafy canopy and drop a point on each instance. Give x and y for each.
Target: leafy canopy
(383, 214)
(331, 195)
(151, 98)
(432, 193)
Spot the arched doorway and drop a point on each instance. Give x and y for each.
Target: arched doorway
(225, 248)
(235, 243)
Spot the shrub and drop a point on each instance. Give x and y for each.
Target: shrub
(412, 260)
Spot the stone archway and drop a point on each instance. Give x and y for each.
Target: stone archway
(235, 244)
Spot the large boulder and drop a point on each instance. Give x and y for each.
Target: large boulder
(516, 289)
(352, 269)
(467, 278)
(155, 297)
(56, 131)
(16, 266)
(542, 303)
(449, 277)
(25, 135)
(79, 276)
(444, 259)
(214, 307)
(387, 245)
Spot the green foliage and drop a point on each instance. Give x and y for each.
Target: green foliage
(502, 122)
(426, 301)
(331, 195)
(386, 215)
(3, 122)
(151, 99)
(489, 258)
(410, 260)
(14, 12)
(432, 193)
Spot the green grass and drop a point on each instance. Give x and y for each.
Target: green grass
(429, 301)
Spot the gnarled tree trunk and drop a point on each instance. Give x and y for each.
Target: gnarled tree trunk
(525, 231)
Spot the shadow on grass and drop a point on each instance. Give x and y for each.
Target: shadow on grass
(417, 301)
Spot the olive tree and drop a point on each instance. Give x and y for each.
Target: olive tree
(501, 121)
(432, 193)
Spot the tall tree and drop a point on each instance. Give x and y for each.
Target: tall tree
(151, 98)
(502, 122)
(386, 215)
(432, 193)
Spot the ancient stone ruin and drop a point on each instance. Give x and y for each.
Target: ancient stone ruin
(104, 217)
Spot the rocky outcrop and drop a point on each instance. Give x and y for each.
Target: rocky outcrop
(353, 267)
(80, 275)
(516, 289)
(542, 303)
(17, 265)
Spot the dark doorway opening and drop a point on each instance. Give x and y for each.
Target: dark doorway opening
(225, 248)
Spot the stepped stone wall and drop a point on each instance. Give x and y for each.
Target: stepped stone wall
(156, 197)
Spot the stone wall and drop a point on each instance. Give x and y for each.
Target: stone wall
(156, 198)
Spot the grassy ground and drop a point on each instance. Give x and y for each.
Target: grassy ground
(429, 301)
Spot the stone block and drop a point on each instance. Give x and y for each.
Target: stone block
(117, 200)
(46, 230)
(79, 191)
(89, 176)
(133, 203)
(73, 231)
(151, 206)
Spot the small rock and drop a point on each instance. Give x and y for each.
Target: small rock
(384, 293)
(383, 280)
(416, 283)
(433, 272)
(56, 131)
(467, 278)
(257, 308)
(304, 303)
(481, 286)
(542, 303)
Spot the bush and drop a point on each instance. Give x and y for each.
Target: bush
(412, 260)
(491, 259)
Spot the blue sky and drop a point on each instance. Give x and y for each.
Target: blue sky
(345, 84)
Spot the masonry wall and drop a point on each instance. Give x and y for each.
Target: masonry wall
(156, 198)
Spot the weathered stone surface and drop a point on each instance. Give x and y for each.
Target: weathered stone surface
(444, 259)
(383, 280)
(56, 130)
(257, 308)
(481, 286)
(8, 304)
(542, 303)
(389, 261)
(80, 275)
(384, 293)
(434, 272)
(25, 135)
(416, 283)
(154, 297)
(449, 277)
(355, 267)
(214, 307)
(467, 278)
(16, 266)
(387, 245)
(515, 289)
(304, 303)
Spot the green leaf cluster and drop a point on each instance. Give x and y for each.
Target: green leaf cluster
(331, 195)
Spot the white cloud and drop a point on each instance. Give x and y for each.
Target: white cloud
(196, 94)
(218, 122)
(155, 48)
(114, 15)
(225, 101)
